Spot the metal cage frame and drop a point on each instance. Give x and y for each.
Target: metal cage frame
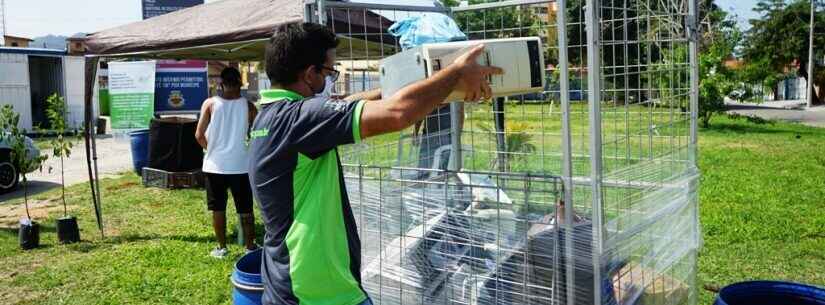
(642, 201)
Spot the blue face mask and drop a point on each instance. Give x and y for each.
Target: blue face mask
(329, 87)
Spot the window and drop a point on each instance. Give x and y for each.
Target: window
(14, 44)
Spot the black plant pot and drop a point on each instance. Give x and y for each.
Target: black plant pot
(67, 230)
(29, 234)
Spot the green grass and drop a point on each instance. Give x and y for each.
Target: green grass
(155, 252)
(762, 209)
(762, 202)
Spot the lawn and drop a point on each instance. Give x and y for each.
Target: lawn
(762, 209)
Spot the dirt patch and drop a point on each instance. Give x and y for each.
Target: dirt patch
(17, 266)
(11, 214)
(123, 185)
(18, 295)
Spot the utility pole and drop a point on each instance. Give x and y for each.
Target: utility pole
(811, 62)
(2, 23)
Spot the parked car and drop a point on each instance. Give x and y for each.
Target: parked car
(10, 172)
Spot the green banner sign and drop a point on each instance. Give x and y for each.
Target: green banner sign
(132, 94)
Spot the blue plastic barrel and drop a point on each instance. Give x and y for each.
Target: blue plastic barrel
(246, 280)
(140, 149)
(770, 293)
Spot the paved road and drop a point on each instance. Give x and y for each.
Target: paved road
(113, 155)
(783, 111)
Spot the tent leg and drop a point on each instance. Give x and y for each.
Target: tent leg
(88, 134)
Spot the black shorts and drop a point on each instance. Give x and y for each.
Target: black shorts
(216, 195)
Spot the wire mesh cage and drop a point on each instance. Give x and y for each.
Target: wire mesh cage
(585, 193)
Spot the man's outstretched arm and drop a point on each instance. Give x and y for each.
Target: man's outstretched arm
(370, 95)
(412, 103)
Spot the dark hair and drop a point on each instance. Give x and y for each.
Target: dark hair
(294, 47)
(231, 77)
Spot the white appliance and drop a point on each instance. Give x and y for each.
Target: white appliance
(521, 59)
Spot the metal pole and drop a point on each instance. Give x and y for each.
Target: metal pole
(693, 38)
(455, 136)
(594, 102)
(567, 149)
(811, 63)
(321, 5)
(693, 149)
(501, 143)
(308, 11)
(2, 22)
(89, 137)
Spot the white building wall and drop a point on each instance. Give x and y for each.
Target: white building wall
(73, 89)
(14, 86)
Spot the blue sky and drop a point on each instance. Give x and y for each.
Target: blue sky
(65, 17)
(742, 8)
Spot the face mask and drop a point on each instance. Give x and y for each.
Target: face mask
(329, 86)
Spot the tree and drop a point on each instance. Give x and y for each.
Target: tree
(506, 22)
(517, 145)
(776, 45)
(720, 37)
(61, 148)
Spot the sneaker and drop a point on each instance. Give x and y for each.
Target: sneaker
(219, 253)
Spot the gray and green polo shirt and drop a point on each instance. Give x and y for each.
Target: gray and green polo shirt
(312, 253)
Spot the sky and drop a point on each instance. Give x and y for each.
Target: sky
(33, 18)
(743, 9)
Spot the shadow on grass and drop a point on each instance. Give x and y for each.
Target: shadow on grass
(735, 125)
(35, 187)
(86, 246)
(44, 228)
(45, 242)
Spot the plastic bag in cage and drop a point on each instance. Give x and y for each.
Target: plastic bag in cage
(427, 28)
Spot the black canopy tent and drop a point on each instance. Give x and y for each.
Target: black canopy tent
(228, 30)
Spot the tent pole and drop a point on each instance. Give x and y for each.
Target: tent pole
(99, 210)
(88, 134)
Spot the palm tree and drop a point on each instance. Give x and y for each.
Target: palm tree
(517, 144)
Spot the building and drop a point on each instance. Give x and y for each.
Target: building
(76, 46)
(28, 76)
(16, 42)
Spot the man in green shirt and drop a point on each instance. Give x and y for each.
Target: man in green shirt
(312, 253)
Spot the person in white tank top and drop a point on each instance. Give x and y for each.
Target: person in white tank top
(223, 130)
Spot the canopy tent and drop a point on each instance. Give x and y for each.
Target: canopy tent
(228, 30)
(231, 30)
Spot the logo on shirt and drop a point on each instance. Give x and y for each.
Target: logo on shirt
(259, 133)
(337, 105)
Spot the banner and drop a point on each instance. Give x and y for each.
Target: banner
(153, 8)
(180, 86)
(132, 94)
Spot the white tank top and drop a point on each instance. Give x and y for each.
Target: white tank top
(226, 150)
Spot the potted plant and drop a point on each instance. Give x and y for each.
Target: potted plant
(26, 158)
(67, 229)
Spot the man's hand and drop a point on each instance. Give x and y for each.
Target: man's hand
(413, 102)
(473, 80)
